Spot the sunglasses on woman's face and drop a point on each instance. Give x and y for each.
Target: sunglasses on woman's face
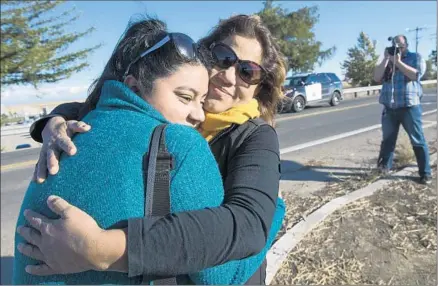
(184, 45)
(224, 57)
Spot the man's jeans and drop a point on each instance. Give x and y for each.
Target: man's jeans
(410, 118)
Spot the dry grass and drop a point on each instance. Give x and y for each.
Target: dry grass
(433, 147)
(343, 271)
(404, 154)
(430, 85)
(388, 238)
(298, 207)
(346, 85)
(314, 163)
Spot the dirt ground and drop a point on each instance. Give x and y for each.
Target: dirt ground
(298, 206)
(388, 238)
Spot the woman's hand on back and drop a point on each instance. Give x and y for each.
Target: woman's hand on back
(71, 244)
(56, 138)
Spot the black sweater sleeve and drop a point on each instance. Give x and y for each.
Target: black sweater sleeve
(239, 228)
(70, 111)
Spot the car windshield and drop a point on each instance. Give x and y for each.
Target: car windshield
(295, 81)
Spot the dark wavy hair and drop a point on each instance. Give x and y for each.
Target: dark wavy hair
(138, 37)
(269, 92)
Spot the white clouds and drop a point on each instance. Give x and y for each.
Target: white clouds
(78, 89)
(45, 93)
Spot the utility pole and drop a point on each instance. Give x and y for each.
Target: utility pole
(433, 37)
(433, 53)
(416, 30)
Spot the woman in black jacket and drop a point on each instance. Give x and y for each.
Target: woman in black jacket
(245, 86)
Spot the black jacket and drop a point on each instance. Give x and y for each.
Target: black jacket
(235, 230)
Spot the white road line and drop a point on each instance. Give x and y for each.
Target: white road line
(337, 137)
(429, 112)
(330, 110)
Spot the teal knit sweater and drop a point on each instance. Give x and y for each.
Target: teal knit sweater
(105, 180)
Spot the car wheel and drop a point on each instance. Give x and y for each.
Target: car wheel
(280, 107)
(336, 98)
(298, 104)
(287, 105)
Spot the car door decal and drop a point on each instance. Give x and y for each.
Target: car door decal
(313, 91)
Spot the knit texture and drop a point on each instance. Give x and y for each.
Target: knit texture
(105, 179)
(245, 268)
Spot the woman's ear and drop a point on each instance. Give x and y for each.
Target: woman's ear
(132, 83)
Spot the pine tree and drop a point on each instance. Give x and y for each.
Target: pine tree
(431, 68)
(361, 61)
(295, 36)
(433, 57)
(33, 45)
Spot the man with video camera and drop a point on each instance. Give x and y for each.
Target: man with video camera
(400, 73)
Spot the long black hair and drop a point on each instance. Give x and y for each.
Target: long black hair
(139, 36)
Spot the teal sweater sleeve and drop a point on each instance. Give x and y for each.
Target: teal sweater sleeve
(245, 268)
(196, 184)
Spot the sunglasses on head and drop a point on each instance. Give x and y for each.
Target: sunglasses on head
(184, 45)
(224, 57)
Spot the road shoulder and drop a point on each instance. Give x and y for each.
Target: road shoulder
(314, 177)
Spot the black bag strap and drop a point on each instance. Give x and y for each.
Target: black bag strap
(243, 131)
(157, 164)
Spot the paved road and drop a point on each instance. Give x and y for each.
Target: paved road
(293, 129)
(320, 122)
(19, 156)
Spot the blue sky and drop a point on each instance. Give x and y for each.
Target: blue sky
(339, 24)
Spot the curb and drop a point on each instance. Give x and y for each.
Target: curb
(279, 251)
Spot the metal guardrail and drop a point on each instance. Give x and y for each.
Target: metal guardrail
(377, 87)
(15, 130)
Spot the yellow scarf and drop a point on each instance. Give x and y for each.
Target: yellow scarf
(214, 123)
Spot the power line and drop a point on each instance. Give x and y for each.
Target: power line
(417, 38)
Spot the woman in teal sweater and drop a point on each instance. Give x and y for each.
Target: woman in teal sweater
(164, 81)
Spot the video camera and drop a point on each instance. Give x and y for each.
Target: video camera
(394, 49)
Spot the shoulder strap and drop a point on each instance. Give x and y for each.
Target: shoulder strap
(239, 135)
(246, 129)
(157, 164)
(249, 127)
